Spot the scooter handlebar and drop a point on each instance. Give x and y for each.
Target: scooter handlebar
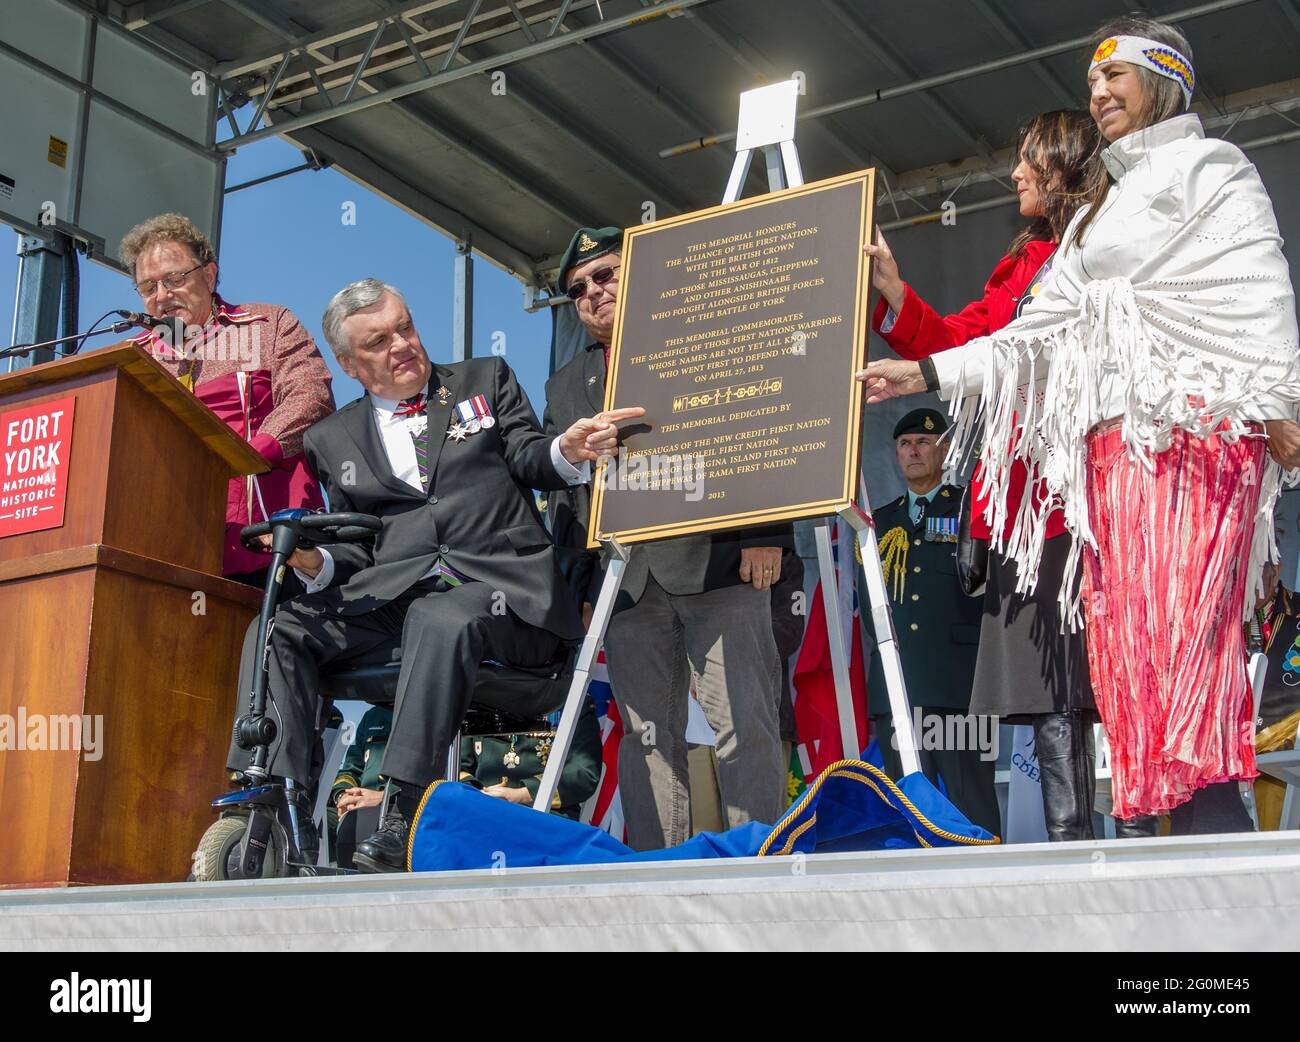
(312, 529)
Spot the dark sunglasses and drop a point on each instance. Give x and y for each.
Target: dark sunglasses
(600, 276)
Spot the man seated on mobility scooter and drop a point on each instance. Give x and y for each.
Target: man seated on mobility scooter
(460, 570)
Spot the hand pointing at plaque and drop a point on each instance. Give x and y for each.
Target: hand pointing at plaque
(890, 378)
(592, 437)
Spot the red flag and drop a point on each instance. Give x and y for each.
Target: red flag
(815, 713)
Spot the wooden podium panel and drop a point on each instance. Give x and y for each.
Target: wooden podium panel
(120, 616)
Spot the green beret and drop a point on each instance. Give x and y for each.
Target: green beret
(588, 244)
(921, 421)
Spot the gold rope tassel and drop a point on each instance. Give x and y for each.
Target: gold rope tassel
(893, 554)
(1278, 736)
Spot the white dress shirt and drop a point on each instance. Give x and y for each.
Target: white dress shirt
(395, 433)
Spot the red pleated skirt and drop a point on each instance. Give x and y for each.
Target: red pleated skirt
(1164, 593)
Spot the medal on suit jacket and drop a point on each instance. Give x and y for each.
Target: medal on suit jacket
(466, 417)
(941, 529)
(444, 396)
(475, 414)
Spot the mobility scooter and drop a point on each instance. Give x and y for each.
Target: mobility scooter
(263, 825)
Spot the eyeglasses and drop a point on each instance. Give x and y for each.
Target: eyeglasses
(175, 280)
(600, 277)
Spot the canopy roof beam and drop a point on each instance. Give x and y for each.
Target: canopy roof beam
(449, 74)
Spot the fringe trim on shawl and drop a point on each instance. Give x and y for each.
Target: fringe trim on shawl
(1165, 388)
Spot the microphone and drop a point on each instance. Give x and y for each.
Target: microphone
(170, 330)
(140, 318)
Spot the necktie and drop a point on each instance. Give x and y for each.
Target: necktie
(921, 503)
(412, 406)
(415, 406)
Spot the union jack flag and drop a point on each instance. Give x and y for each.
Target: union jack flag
(605, 809)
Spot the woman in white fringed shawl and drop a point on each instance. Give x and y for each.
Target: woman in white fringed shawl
(1162, 356)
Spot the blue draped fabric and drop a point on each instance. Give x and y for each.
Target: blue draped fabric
(852, 805)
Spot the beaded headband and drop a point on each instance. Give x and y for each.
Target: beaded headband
(1160, 58)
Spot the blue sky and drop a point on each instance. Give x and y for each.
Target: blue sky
(285, 243)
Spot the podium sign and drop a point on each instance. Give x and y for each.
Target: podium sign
(739, 329)
(35, 444)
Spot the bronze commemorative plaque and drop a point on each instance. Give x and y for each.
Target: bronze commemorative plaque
(739, 329)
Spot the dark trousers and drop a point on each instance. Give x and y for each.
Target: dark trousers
(445, 632)
(1213, 809)
(967, 778)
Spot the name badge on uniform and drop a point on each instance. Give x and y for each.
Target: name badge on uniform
(941, 529)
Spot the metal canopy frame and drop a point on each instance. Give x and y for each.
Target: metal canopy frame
(300, 78)
(411, 48)
(928, 83)
(337, 72)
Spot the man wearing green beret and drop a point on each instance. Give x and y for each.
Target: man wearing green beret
(698, 605)
(937, 626)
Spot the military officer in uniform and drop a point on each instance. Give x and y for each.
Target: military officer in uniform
(510, 766)
(937, 625)
(507, 766)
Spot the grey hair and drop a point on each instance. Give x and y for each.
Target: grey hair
(1162, 98)
(354, 297)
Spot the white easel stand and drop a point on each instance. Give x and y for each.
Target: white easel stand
(767, 122)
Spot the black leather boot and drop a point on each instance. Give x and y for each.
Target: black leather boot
(1086, 765)
(1133, 828)
(385, 851)
(1064, 745)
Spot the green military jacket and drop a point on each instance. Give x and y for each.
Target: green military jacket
(519, 760)
(360, 766)
(938, 626)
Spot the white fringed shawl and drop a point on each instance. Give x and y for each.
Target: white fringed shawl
(1177, 309)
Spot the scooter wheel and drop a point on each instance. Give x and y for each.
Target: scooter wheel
(218, 852)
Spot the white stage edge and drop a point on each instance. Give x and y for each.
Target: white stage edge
(1203, 893)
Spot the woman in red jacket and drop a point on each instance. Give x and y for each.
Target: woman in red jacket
(1030, 668)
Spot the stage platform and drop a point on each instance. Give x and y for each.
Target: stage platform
(1220, 893)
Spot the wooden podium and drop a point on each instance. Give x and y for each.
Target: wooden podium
(119, 615)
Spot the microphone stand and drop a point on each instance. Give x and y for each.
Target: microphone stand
(23, 349)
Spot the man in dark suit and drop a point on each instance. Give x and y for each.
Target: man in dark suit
(692, 606)
(937, 625)
(462, 569)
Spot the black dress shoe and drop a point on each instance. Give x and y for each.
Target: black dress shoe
(385, 851)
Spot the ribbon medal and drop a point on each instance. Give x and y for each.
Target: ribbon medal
(941, 529)
(482, 413)
(474, 415)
